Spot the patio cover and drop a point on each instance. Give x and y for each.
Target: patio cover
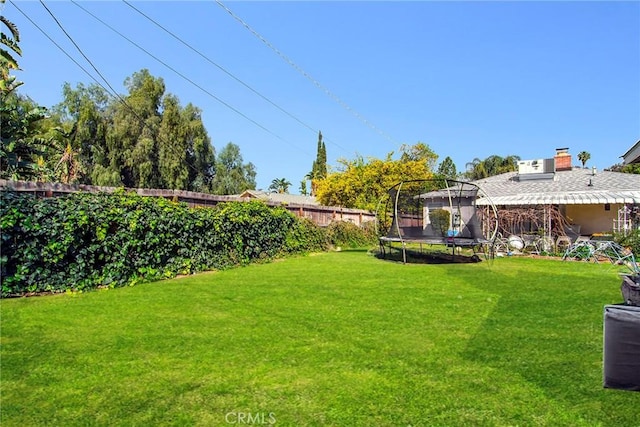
(564, 198)
(574, 187)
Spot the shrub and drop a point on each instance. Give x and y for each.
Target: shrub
(83, 241)
(629, 240)
(305, 236)
(343, 233)
(440, 220)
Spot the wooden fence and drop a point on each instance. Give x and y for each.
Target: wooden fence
(321, 215)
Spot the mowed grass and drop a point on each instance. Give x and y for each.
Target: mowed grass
(335, 339)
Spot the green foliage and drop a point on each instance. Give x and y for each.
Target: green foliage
(492, 165)
(447, 168)
(280, 185)
(21, 147)
(348, 234)
(633, 168)
(419, 152)
(10, 48)
(306, 236)
(84, 241)
(319, 167)
(584, 157)
(362, 183)
(440, 220)
(511, 342)
(232, 176)
(303, 188)
(150, 140)
(630, 240)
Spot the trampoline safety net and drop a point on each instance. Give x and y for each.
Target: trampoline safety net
(436, 211)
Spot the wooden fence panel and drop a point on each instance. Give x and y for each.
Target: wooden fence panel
(320, 215)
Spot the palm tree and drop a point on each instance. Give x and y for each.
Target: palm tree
(7, 59)
(280, 185)
(476, 169)
(492, 165)
(584, 157)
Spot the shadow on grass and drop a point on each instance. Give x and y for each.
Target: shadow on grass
(547, 330)
(361, 249)
(427, 257)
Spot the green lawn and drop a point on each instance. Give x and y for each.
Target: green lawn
(340, 339)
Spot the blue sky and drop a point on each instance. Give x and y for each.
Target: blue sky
(470, 79)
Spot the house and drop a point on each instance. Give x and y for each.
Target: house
(591, 201)
(633, 155)
(308, 207)
(280, 198)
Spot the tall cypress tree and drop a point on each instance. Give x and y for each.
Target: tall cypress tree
(319, 168)
(322, 158)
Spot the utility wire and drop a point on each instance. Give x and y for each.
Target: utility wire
(228, 73)
(59, 47)
(82, 53)
(185, 77)
(304, 73)
(114, 95)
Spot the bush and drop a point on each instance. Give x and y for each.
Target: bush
(440, 220)
(343, 233)
(629, 240)
(305, 236)
(83, 241)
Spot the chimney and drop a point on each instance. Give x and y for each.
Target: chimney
(562, 159)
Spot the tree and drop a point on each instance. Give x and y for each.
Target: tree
(584, 157)
(231, 175)
(447, 168)
(319, 167)
(303, 188)
(79, 131)
(280, 185)
(201, 156)
(149, 140)
(361, 183)
(22, 148)
(419, 152)
(8, 61)
(475, 169)
(633, 168)
(172, 146)
(492, 165)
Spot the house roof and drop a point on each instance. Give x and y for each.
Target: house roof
(575, 187)
(280, 197)
(632, 155)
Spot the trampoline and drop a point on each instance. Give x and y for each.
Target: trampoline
(439, 212)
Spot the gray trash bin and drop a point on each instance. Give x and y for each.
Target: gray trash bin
(622, 347)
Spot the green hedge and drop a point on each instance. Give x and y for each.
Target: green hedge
(348, 234)
(84, 241)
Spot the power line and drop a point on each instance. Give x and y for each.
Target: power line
(114, 95)
(81, 52)
(59, 47)
(221, 68)
(186, 78)
(304, 73)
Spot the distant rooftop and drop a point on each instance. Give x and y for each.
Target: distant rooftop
(280, 197)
